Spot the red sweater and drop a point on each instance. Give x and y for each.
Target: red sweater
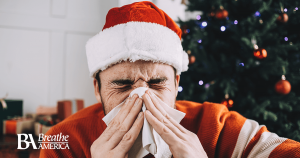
(222, 133)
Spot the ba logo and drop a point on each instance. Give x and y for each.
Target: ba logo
(58, 141)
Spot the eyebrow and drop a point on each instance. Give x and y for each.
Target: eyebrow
(157, 80)
(122, 81)
(130, 81)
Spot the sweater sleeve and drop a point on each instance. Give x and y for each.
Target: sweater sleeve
(227, 134)
(239, 137)
(255, 141)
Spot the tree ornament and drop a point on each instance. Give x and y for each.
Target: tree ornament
(221, 13)
(192, 58)
(227, 102)
(282, 18)
(212, 12)
(260, 53)
(185, 30)
(283, 86)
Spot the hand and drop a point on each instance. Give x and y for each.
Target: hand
(121, 132)
(182, 143)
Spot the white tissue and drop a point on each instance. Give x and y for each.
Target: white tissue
(148, 140)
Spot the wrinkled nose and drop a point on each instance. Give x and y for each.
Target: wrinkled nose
(140, 83)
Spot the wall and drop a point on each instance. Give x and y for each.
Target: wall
(42, 47)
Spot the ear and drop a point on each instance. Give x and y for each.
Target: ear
(96, 89)
(177, 83)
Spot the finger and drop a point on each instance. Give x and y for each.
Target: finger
(126, 108)
(158, 103)
(115, 124)
(151, 107)
(126, 125)
(178, 125)
(166, 134)
(129, 138)
(166, 117)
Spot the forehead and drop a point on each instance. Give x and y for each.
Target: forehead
(146, 69)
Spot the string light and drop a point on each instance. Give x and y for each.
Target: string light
(242, 64)
(180, 89)
(200, 82)
(286, 38)
(204, 24)
(198, 17)
(200, 41)
(285, 10)
(235, 22)
(206, 85)
(257, 13)
(296, 8)
(223, 28)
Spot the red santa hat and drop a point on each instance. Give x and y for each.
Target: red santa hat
(138, 31)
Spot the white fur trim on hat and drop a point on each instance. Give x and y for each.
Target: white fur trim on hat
(135, 41)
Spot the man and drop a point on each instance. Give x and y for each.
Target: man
(140, 46)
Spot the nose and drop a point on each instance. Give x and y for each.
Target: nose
(140, 83)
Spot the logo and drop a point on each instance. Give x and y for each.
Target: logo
(58, 141)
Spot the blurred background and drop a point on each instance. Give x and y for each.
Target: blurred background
(42, 47)
(243, 54)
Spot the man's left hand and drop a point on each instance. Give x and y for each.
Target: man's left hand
(182, 142)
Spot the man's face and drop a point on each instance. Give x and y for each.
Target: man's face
(119, 80)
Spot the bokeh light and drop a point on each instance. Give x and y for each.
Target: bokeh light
(180, 89)
(200, 82)
(286, 38)
(257, 13)
(223, 28)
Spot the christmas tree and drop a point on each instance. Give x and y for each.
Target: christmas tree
(245, 54)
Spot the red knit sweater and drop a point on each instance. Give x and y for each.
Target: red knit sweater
(222, 133)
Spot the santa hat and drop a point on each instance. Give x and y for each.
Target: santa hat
(138, 31)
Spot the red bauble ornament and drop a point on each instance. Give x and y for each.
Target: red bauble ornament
(283, 86)
(221, 14)
(227, 102)
(260, 53)
(283, 18)
(192, 59)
